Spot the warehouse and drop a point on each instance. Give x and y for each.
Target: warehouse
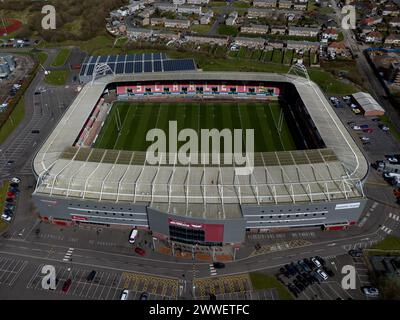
(369, 106)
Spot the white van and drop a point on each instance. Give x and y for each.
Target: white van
(133, 236)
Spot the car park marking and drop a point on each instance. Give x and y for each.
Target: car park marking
(213, 272)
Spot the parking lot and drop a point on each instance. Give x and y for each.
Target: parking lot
(10, 270)
(158, 288)
(330, 288)
(104, 286)
(222, 286)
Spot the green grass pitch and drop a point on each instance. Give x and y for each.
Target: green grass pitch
(138, 118)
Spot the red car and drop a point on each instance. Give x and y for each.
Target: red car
(66, 285)
(140, 251)
(11, 195)
(369, 130)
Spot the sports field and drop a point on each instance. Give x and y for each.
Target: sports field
(135, 119)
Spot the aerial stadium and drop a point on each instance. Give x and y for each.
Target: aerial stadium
(93, 169)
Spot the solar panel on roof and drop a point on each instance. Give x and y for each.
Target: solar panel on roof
(90, 69)
(157, 66)
(156, 56)
(121, 58)
(112, 66)
(163, 56)
(103, 59)
(148, 66)
(138, 57)
(93, 59)
(130, 57)
(147, 56)
(129, 67)
(86, 60)
(120, 68)
(83, 70)
(138, 67)
(112, 59)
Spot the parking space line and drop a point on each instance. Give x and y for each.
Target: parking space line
(24, 264)
(35, 273)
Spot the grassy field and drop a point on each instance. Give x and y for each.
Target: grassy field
(261, 281)
(3, 191)
(138, 118)
(42, 56)
(389, 243)
(15, 118)
(57, 77)
(61, 58)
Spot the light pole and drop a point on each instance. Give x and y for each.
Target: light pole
(154, 243)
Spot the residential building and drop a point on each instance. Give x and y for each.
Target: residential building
(265, 3)
(374, 37)
(298, 5)
(395, 22)
(218, 40)
(302, 45)
(255, 29)
(303, 31)
(278, 30)
(198, 2)
(337, 48)
(164, 6)
(285, 4)
(257, 43)
(232, 18)
(330, 34)
(189, 9)
(392, 40)
(259, 13)
(205, 18)
(372, 20)
(177, 23)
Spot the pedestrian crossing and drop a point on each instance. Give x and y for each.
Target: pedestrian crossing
(386, 229)
(68, 255)
(393, 216)
(213, 271)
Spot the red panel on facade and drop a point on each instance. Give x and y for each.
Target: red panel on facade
(214, 232)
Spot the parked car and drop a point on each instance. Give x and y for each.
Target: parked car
(66, 285)
(293, 290)
(365, 139)
(328, 271)
(316, 262)
(6, 217)
(375, 119)
(322, 274)
(351, 123)
(15, 180)
(144, 296)
(315, 277)
(304, 266)
(383, 127)
(355, 253)
(140, 251)
(356, 111)
(299, 285)
(370, 291)
(357, 128)
(368, 130)
(124, 294)
(219, 265)
(133, 235)
(393, 160)
(91, 275)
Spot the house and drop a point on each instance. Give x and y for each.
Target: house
(330, 34)
(232, 18)
(392, 40)
(205, 18)
(218, 40)
(300, 5)
(302, 45)
(189, 9)
(395, 22)
(366, 29)
(198, 2)
(374, 37)
(146, 13)
(157, 21)
(278, 29)
(372, 20)
(390, 10)
(303, 31)
(255, 29)
(336, 48)
(178, 2)
(164, 6)
(285, 4)
(259, 13)
(275, 44)
(177, 23)
(265, 3)
(257, 43)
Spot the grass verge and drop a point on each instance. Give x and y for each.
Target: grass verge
(13, 121)
(57, 77)
(388, 123)
(261, 281)
(61, 58)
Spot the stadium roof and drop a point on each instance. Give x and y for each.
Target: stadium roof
(367, 102)
(215, 192)
(136, 63)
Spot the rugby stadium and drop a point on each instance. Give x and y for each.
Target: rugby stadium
(93, 168)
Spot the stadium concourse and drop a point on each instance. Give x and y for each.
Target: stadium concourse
(317, 186)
